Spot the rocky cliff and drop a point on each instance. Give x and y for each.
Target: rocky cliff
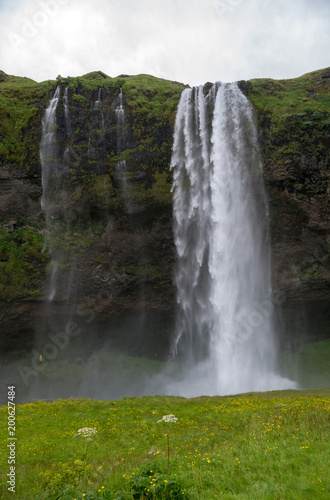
(294, 126)
(113, 234)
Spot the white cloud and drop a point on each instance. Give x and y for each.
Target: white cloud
(192, 41)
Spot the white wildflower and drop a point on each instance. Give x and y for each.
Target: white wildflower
(168, 418)
(87, 431)
(153, 451)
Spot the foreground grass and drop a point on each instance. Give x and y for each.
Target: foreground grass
(253, 446)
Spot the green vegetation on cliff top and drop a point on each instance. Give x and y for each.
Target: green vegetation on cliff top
(294, 127)
(294, 112)
(310, 92)
(302, 102)
(22, 102)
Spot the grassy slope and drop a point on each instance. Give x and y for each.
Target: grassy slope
(252, 446)
(309, 92)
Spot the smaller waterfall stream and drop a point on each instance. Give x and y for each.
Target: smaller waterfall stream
(67, 111)
(55, 161)
(98, 107)
(120, 114)
(49, 158)
(97, 131)
(48, 149)
(121, 167)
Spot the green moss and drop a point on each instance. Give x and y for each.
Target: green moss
(21, 100)
(22, 263)
(309, 272)
(285, 97)
(161, 188)
(101, 186)
(103, 198)
(97, 229)
(145, 271)
(70, 243)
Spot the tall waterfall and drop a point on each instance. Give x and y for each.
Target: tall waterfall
(224, 330)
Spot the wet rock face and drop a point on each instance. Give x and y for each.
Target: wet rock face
(111, 233)
(298, 190)
(295, 138)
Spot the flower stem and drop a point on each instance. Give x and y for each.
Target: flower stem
(85, 478)
(168, 453)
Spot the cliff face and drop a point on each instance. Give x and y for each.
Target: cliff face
(113, 233)
(112, 236)
(294, 125)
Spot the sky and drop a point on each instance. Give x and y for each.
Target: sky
(191, 41)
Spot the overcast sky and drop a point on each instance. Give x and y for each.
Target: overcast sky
(191, 41)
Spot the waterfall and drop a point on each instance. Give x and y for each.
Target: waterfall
(67, 111)
(96, 142)
(121, 167)
(224, 329)
(98, 107)
(48, 149)
(120, 115)
(50, 166)
(55, 161)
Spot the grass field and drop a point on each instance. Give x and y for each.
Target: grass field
(252, 446)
